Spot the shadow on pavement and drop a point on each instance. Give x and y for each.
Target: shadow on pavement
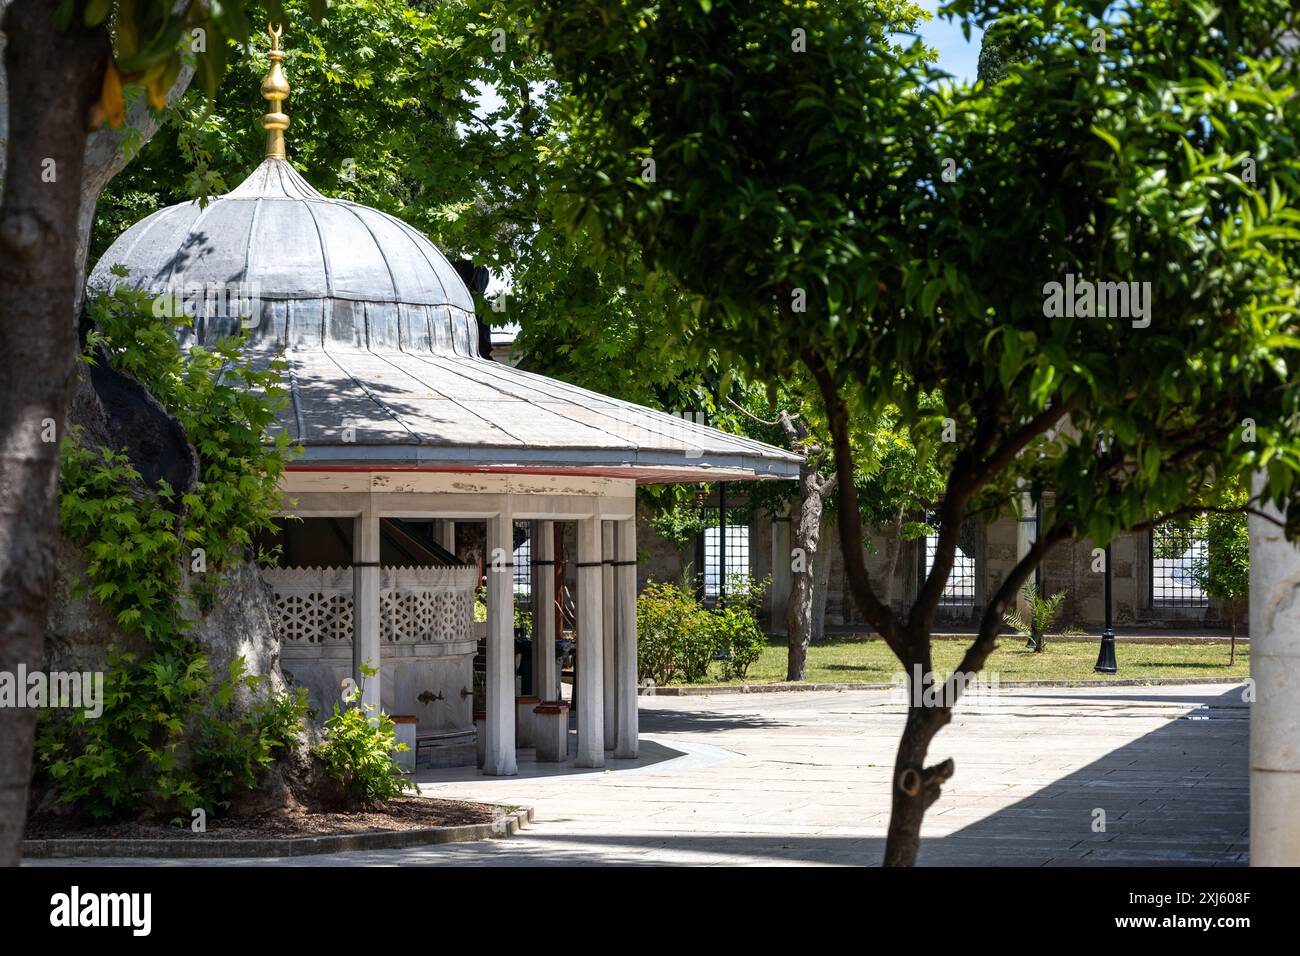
(1167, 798)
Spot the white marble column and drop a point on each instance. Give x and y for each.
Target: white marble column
(591, 664)
(1275, 712)
(625, 575)
(447, 536)
(546, 684)
(499, 758)
(365, 605)
(779, 599)
(609, 628)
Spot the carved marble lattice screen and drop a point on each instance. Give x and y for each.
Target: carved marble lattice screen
(414, 608)
(415, 604)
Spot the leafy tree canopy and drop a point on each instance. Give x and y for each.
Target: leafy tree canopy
(801, 197)
(440, 114)
(1089, 262)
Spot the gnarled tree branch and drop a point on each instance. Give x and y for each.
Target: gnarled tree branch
(877, 614)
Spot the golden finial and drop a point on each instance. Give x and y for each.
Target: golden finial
(275, 88)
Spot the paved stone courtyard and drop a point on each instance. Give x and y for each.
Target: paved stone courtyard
(803, 778)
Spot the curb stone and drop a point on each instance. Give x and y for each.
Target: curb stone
(1122, 639)
(707, 690)
(506, 825)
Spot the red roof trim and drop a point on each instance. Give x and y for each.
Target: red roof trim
(642, 476)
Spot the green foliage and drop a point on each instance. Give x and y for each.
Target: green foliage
(1223, 571)
(129, 759)
(1222, 568)
(358, 752)
(166, 736)
(1041, 612)
(674, 640)
(1001, 48)
(131, 538)
(385, 109)
(678, 637)
(523, 620)
(232, 746)
(894, 478)
(801, 203)
(153, 39)
(227, 406)
(679, 519)
(894, 484)
(737, 638)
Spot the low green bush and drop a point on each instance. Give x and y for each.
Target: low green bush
(358, 750)
(674, 637)
(1041, 617)
(737, 638)
(232, 747)
(678, 638)
(134, 756)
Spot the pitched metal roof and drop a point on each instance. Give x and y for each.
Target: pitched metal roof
(380, 340)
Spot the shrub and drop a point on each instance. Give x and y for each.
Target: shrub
(674, 634)
(737, 638)
(678, 638)
(131, 757)
(1222, 567)
(358, 752)
(1043, 612)
(233, 748)
(678, 519)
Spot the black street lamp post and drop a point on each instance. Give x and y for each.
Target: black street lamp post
(1106, 656)
(722, 542)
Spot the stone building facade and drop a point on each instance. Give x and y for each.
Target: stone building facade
(1148, 593)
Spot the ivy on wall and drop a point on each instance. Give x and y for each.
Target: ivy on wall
(168, 737)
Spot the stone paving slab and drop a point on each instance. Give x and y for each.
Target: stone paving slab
(803, 779)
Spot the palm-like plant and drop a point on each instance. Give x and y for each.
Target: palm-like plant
(1041, 615)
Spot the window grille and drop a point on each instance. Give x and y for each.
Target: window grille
(960, 589)
(523, 567)
(1174, 552)
(737, 549)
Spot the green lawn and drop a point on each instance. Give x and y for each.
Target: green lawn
(853, 659)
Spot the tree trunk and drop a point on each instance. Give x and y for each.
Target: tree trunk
(799, 626)
(806, 544)
(915, 787)
(54, 170)
(53, 79)
(887, 596)
(821, 583)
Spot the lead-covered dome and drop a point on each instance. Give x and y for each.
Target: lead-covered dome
(296, 269)
(378, 344)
